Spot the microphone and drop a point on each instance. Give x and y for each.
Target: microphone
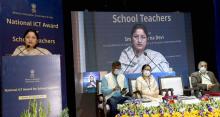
(129, 63)
(21, 51)
(40, 51)
(161, 70)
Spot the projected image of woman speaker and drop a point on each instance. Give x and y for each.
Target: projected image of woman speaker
(30, 47)
(135, 56)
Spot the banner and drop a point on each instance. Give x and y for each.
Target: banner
(44, 16)
(31, 86)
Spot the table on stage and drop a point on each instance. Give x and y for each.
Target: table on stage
(181, 106)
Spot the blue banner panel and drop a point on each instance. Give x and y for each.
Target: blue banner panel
(45, 16)
(29, 78)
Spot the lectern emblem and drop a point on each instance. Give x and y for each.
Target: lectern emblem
(32, 74)
(33, 8)
(32, 77)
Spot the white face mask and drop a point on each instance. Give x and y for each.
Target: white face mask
(146, 73)
(202, 69)
(117, 71)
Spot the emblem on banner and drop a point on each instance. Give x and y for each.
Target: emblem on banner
(33, 8)
(32, 74)
(32, 77)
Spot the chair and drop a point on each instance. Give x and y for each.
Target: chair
(132, 88)
(169, 83)
(176, 84)
(190, 85)
(102, 107)
(137, 94)
(190, 82)
(166, 92)
(194, 90)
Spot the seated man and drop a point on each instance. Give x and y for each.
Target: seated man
(203, 79)
(114, 85)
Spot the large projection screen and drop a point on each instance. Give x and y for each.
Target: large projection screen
(100, 37)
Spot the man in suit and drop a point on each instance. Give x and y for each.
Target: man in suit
(203, 79)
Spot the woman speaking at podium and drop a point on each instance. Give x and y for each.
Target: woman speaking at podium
(30, 48)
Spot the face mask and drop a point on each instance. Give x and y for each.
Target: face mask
(202, 69)
(117, 71)
(146, 73)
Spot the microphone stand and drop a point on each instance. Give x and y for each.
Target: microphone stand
(21, 51)
(161, 70)
(40, 51)
(129, 63)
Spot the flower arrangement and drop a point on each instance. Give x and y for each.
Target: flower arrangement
(65, 112)
(209, 108)
(36, 108)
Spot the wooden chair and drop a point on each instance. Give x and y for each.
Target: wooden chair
(132, 88)
(102, 107)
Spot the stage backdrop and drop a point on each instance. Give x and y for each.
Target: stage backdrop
(106, 34)
(45, 16)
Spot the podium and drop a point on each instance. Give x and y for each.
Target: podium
(31, 83)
